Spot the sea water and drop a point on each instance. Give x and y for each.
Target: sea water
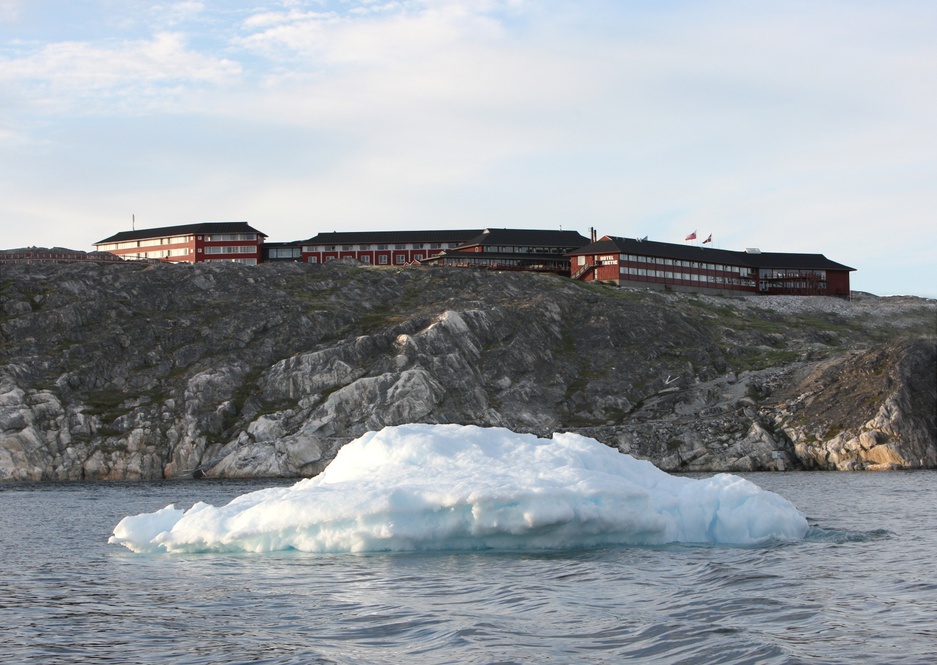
(860, 588)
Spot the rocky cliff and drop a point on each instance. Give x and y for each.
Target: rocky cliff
(134, 371)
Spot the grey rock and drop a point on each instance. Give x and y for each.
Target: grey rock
(134, 371)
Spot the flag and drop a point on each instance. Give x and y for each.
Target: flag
(709, 239)
(692, 236)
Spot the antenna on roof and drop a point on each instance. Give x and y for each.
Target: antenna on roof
(133, 222)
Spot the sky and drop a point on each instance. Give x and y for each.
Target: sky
(797, 126)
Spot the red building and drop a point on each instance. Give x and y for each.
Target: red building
(643, 263)
(189, 243)
(53, 255)
(515, 249)
(382, 248)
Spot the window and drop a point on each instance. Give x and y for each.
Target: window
(229, 237)
(399, 246)
(400, 258)
(346, 248)
(366, 259)
(231, 249)
(312, 259)
(382, 259)
(248, 262)
(382, 246)
(418, 257)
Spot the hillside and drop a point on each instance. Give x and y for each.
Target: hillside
(134, 371)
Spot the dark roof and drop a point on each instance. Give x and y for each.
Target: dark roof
(528, 238)
(616, 245)
(389, 237)
(184, 229)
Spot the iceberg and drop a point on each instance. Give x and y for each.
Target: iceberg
(453, 487)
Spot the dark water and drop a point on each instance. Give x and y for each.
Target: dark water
(861, 589)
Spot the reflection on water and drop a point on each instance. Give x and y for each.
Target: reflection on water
(860, 588)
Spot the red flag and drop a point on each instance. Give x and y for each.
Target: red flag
(709, 239)
(692, 236)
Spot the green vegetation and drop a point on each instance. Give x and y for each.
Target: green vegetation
(107, 404)
(390, 312)
(753, 358)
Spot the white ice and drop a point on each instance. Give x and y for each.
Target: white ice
(453, 487)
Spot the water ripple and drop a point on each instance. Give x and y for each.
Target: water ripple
(859, 589)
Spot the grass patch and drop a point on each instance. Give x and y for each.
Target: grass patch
(390, 313)
(750, 359)
(107, 404)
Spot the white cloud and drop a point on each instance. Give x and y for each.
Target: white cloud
(772, 125)
(10, 9)
(78, 77)
(178, 12)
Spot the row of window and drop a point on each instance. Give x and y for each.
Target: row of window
(247, 262)
(176, 240)
(149, 242)
(651, 273)
(230, 237)
(512, 249)
(158, 254)
(382, 259)
(695, 265)
(367, 248)
(231, 249)
(779, 273)
(283, 252)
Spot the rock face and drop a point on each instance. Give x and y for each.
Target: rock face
(132, 371)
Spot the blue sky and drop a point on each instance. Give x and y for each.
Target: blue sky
(803, 126)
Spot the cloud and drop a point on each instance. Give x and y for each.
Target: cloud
(10, 9)
(772, 125)
(179, 12)
(84, 78)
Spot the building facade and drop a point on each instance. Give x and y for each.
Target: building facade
(189, 243)
(649, 264)
(279, 252)
(534, 250)
(382, 248)
(53, 255)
